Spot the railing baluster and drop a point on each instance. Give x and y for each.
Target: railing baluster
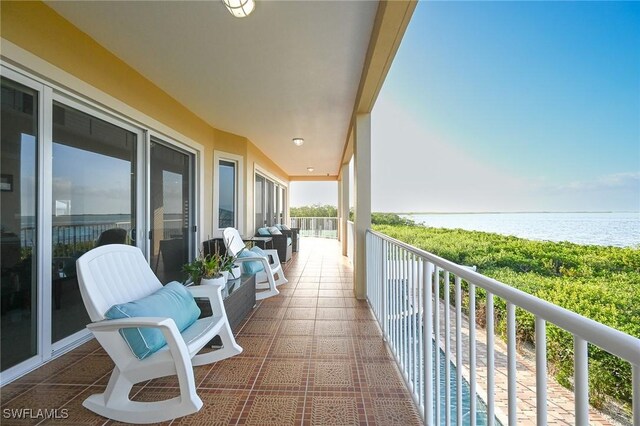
(459, 363)
(436, 328)
(541, 371)
(405, 312)
(472, 354)
(511, 363)
(420, 329)
(491, 384)
(412, 319)
(581, 380)
(428, 343)
(447, 350)
(635, 392)
(385, 285)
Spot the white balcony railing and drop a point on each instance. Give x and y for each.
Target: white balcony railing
(403, 289)
(323, 227)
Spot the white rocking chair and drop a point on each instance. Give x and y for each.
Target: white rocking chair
(115, 274)
(265, 280)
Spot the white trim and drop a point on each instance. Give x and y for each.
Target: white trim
(240, 201)
(43, 349)
(265, 173)
(196, 188)
(52, 84)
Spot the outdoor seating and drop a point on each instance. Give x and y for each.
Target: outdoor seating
(266, 276)
(113, 275)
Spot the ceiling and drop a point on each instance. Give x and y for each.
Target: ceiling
(290, 69)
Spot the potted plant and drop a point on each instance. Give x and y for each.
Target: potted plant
(228, 266)
(205, 270)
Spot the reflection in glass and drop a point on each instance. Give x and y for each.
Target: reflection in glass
(259, 202)
(227, 194)
(18, 204)
(171, 234)
(93, 203)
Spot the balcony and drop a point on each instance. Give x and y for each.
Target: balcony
(315, 355)
(312, 355)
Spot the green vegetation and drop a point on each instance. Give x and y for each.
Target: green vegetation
(315, 210)
(601, 283)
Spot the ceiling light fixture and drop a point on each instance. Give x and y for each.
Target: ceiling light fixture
(240, 8)
(298, 141)
(310, 169)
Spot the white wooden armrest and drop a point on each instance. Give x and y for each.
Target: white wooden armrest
(274, 254)
(213, 292)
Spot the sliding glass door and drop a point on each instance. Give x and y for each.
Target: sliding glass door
(269, 202)
(75, 177)
(19, 236)
(94, 203)
(171, 211)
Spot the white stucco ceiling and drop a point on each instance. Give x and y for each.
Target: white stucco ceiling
(291, 69)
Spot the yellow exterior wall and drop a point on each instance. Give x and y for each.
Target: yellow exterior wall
(38, 29)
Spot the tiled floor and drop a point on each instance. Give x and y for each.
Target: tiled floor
(312, 355)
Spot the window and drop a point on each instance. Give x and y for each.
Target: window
(227, 192)
(269, 202)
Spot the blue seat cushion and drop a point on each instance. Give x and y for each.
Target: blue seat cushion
(274, 231)
(171, 301)
(250, 267)
(263, 232)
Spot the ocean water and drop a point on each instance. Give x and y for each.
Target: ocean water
(603, 229)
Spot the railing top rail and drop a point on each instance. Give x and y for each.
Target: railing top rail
(313, 217)
(611, 340)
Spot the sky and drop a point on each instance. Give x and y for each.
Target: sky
(511, 106)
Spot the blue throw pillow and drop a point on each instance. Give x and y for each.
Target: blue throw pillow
(171, 301)
(279, 226)
(251, 267)
(285, 228)
(274, 231)
(263, 232)
(257, 250)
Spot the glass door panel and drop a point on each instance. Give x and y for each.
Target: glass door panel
(18, 207)
(226, 194)
(259, 202)
(171, 211)
(94, 191)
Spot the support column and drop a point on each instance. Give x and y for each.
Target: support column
(344, 207)
(362, 192)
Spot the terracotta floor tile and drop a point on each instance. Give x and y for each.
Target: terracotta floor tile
(273, 409)
(233, 373)
(39, 397)
(253, 346)
(303, 302)
(291, 347)
(331, 302)
(220, 408)
(332, 328)
(296, 327)
(87, 372)
(335, 411)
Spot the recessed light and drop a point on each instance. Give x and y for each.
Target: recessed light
(310, 169)
(298, 141)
